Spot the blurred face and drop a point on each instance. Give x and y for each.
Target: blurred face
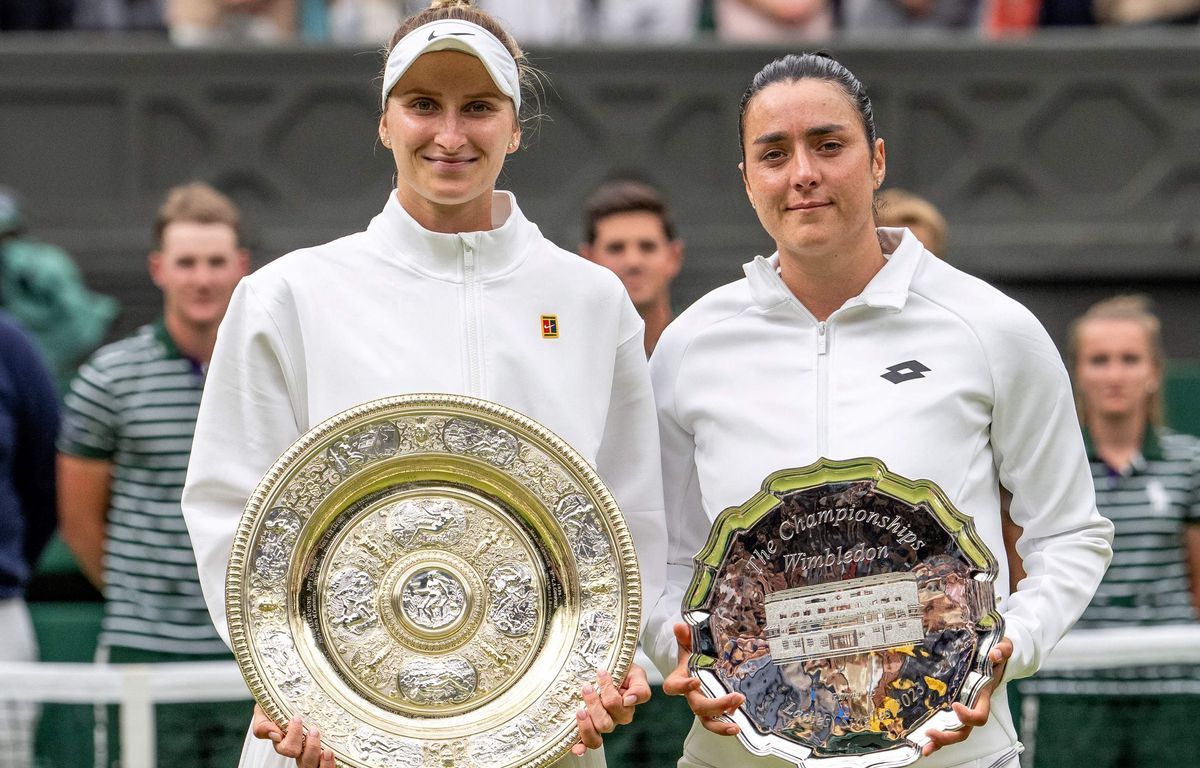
(1115, 370)
(197, 268)
(808, 169)
(635, 246)
(925, 234)
(449, 129)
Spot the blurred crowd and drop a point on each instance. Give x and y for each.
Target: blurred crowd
(548, 22)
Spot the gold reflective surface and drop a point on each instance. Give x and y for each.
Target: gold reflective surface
(429, 580)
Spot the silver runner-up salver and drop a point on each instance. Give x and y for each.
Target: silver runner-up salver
(851, 607)
(429, 580)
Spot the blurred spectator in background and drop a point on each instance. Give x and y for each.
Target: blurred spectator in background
(551, 22)
(41, 287)
(220, 22)
(123, 454)
(119, 14)
(28, 424)
(538, 22)
(1148, 483)
(897, 207)
(657, 21)
(629, 229)
(773, 20)
(350, 22)
(1146, 12)
(1066, 13)
(29, 15)
(910, 15)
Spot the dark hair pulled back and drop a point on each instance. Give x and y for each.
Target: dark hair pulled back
(817, 66)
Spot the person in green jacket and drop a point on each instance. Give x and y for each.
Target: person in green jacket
(42, 288)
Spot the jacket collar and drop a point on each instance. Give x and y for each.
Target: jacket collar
(171, 350)
(159, 329)
(444, 256)
(887, 290)
(1151, 449)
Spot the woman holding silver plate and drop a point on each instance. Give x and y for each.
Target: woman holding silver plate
(852, 341)
(449, 290)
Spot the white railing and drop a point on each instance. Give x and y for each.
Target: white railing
(136, 688)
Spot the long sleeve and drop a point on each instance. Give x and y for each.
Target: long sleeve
(248, 417)
(1066, 544)
(628, 463)
(687, 524)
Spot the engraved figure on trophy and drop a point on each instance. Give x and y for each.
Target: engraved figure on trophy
(433, 599)
(492, 538)
(492, 444)
(427, 521)
(506, 742)
(356, 449)
(500, 660)
(596, 630)
(375, 748)
(367, 655)
(288, 674)
(421, 430)
(351, 600)
(270, 561)
(578, 518)
(449, 680)
(448, 755)
(513, 608)
(280, 528)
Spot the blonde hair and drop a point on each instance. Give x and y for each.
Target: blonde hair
(530, 77)
(199, 203)
(1134, 308)
(896, 207)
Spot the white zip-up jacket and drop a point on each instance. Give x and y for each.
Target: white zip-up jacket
(398, 309)
(748, 382)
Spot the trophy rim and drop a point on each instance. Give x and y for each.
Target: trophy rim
(923, 493)
(308, 445)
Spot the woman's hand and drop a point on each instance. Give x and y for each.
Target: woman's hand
(977, 715)
(609, 706)
(305, 747)
(681, 683)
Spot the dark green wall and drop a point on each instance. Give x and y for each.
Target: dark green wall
(1066, 165)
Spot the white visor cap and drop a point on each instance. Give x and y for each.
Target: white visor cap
(455, 35)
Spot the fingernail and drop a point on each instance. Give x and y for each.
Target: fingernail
(630, 700)
(275, 736)
(603, 674)
(588, 690)
(581, 714)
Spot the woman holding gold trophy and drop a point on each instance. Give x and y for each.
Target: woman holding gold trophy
(862, 401)
(450, 289)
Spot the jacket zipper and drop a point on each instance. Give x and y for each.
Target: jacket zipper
(470, 286)
(823, 389)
